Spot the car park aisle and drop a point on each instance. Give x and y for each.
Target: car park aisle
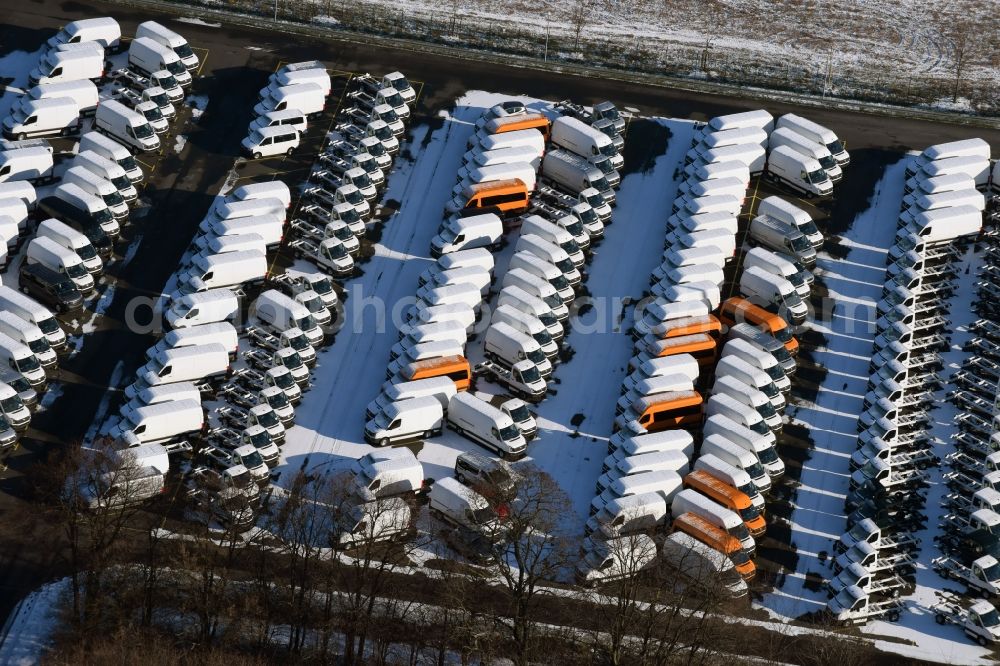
(839, 365)
(587, 386)
(328, 423)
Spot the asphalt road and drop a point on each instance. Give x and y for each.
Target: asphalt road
(237, 61)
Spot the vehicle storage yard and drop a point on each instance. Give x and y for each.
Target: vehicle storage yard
(910, 349)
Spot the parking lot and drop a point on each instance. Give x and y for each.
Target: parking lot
(199, 159)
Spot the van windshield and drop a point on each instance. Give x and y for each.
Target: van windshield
(510, 433)
(298, 343)
(323, 285)
(818, 177)
(102, 216)
(122, 182)
(809, 228)
(520, 414)
(76, 271)
(827, 162)
(183, 51)
(27, 364)
(292, 360)
(542, 337)
(548, 319)
(482, 516)
(560, 283)
(259, 439)
(536, 356)
(566, 266)
(739, 557)
(362, 181)
(267, 419)
(153, 114)
(530, 375)
(143, 131)
(775, 372)
(342, 233)
(252, 460)
(176, 67)
(768, 456)
(375, 149)
(39, 346)
(11, 404)
(48, 325)
(740, 532)
(159, 98)
(799, 243)
(354, 196)
(766, 409)
(782, 334)
(602, 184)
(596, 200)
(113, 199)
(283, 380)
(86, 251)
(835, 147)
(552, 300)
(277, 400)
(388, 115)
(604, 166)
(128, 163)
(608, 151)
(382, 133)
(575, 228)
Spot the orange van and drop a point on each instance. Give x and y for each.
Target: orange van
(713, 536)
(729, 497)
(738, 310)
(506, 197)
(456, 368)
(700, 345)
(668, 411)
(522, 121)
(708, 324)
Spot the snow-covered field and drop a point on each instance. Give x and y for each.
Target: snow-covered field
(830, 44)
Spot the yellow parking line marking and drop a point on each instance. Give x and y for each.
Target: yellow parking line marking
(279, 65)
(201, 60)
(340, 72)
(148, 166)
(420, 91)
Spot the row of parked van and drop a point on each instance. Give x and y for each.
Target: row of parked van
(341, 195)
(678, 380)
(939, 215)
(521, 340)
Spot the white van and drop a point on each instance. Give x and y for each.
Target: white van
(287, 118)
(817, 133)
(963, 148)
(736, 136)
(226, 270)
(61, 65)
(629, 515)
(466, 294)
(103, 30)
(72, 240)
(459, 505)
(19, 358)
(309, 98)
(751, 397)
(664, 483)
(610, 559)
(680, 257)
(732, 475)
(553, 233)
(109, 170)
(146, 55)
(719, 424)
(921, 184)
(441, 389)
(534, 265)
(522, 301)
(28, 335)
(167, 393)
(421, 313)
(782, 237)
(87, 206)
(43, 117)
(221, 332)
(462, 233)
(753, 156)
(269, 227)
(477, 157)
(158, 423)
(691, 274)
(643, 463)
(126, 125)
(171, 40)
(205, 307)
(575, 174)
(230, 210)
(410, 420)
(527, 137)
(973, 166)
(55, 257)
(731, 186)
(655, 316)
(683, 364)
(707, 172)
(787, 137)
(269, 141)
(780, 209)
(112, 150)
(474, 257)
(198, 363)
(483, 423)
(317, 75)
(269, 189)
(721, 447)
(935, 227)
(508, 346)
(759, 359)
(528, 324)
(82, 91)
(223, 244)
(33, 165)
(721, 402)
(30, 310)
(759, 119)
(537, 287)
(468, 275)
(279, 312)
(914, 203)
(412, 336)
(799, 172)
(721, 239)
(751, 376)
(580, 138)
(91, 183)
(770, 262)
(473, 175)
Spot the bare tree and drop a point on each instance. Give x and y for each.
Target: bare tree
(579, 14)
(961, 38)
(530, 545)
(98, 491)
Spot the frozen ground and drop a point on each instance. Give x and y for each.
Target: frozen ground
(856, 39)
(29, 628)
